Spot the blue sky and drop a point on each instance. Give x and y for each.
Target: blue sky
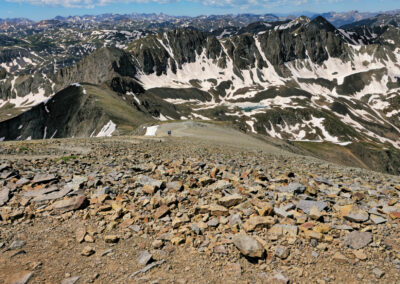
(45, 9)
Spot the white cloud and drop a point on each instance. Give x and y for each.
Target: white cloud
(249, 3)
(229, 3)
(83, 3)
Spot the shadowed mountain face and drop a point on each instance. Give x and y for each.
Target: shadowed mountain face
(302, 81)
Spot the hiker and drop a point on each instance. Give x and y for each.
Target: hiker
(169, 132)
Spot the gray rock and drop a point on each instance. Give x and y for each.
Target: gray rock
(306, 205)
(175, 185)
(220, 185)
(73, 203)
(23, 181)
(145, 180)
(43, 178)
(235, 219)
(214, 222)
(377, 219)
(280, 278)
(195, 229)
(357, 215)
(343, 227)
(248, 246)
(357, 239)
(135, 228)
(230, 200)
(17, 244)
(147, 268)
(323, 180)
(282, 212)
(389, 209)
(294, 187)
(76, 182)
(220, 249)
(70, 280)
(248, 211)
(6, 175)
(4, 166)
(104, 190)
(41, 192)
(282, 252)
(378, 273)
(4, 195)
(144, 257)
(23, 278)
(107, 252)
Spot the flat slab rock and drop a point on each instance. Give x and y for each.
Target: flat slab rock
(230, 200)
(145, 180)
(144, 257)
(23, 181)
(4, 195)
(357, 215)
(147, 268)
(70, 280)
(20, 277)
(306, 205)
(357, 239)
(17, 244)
(39, 192)
(4, 167)
(294, 187)
(43, 178)
(53, 195)
(70, 204)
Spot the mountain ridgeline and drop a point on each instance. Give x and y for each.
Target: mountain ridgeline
(302, 81)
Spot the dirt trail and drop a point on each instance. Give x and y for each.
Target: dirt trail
(216, 134)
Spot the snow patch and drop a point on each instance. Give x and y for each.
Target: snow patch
(54, 134)
(107, 130)
(45, 132)
(134, 97)
(151, 130)
(196, 115)
(344, 143)
(162, 117)
(251, 124)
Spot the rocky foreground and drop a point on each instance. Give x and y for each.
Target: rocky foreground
(129, 210)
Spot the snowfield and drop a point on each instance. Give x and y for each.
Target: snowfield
(151, 130)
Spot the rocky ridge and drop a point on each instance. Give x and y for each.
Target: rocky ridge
(303, 81)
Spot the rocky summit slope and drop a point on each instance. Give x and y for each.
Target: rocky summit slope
(184, 210)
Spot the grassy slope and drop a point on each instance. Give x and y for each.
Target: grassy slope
(126, 116)
(358, 154)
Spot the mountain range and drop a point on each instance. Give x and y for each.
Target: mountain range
(152, 19)
(306, 83)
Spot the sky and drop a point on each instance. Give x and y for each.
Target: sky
(46, 9)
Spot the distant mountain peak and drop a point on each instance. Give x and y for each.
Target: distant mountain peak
(322, 23)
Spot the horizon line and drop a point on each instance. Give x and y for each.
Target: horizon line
(294, 13)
